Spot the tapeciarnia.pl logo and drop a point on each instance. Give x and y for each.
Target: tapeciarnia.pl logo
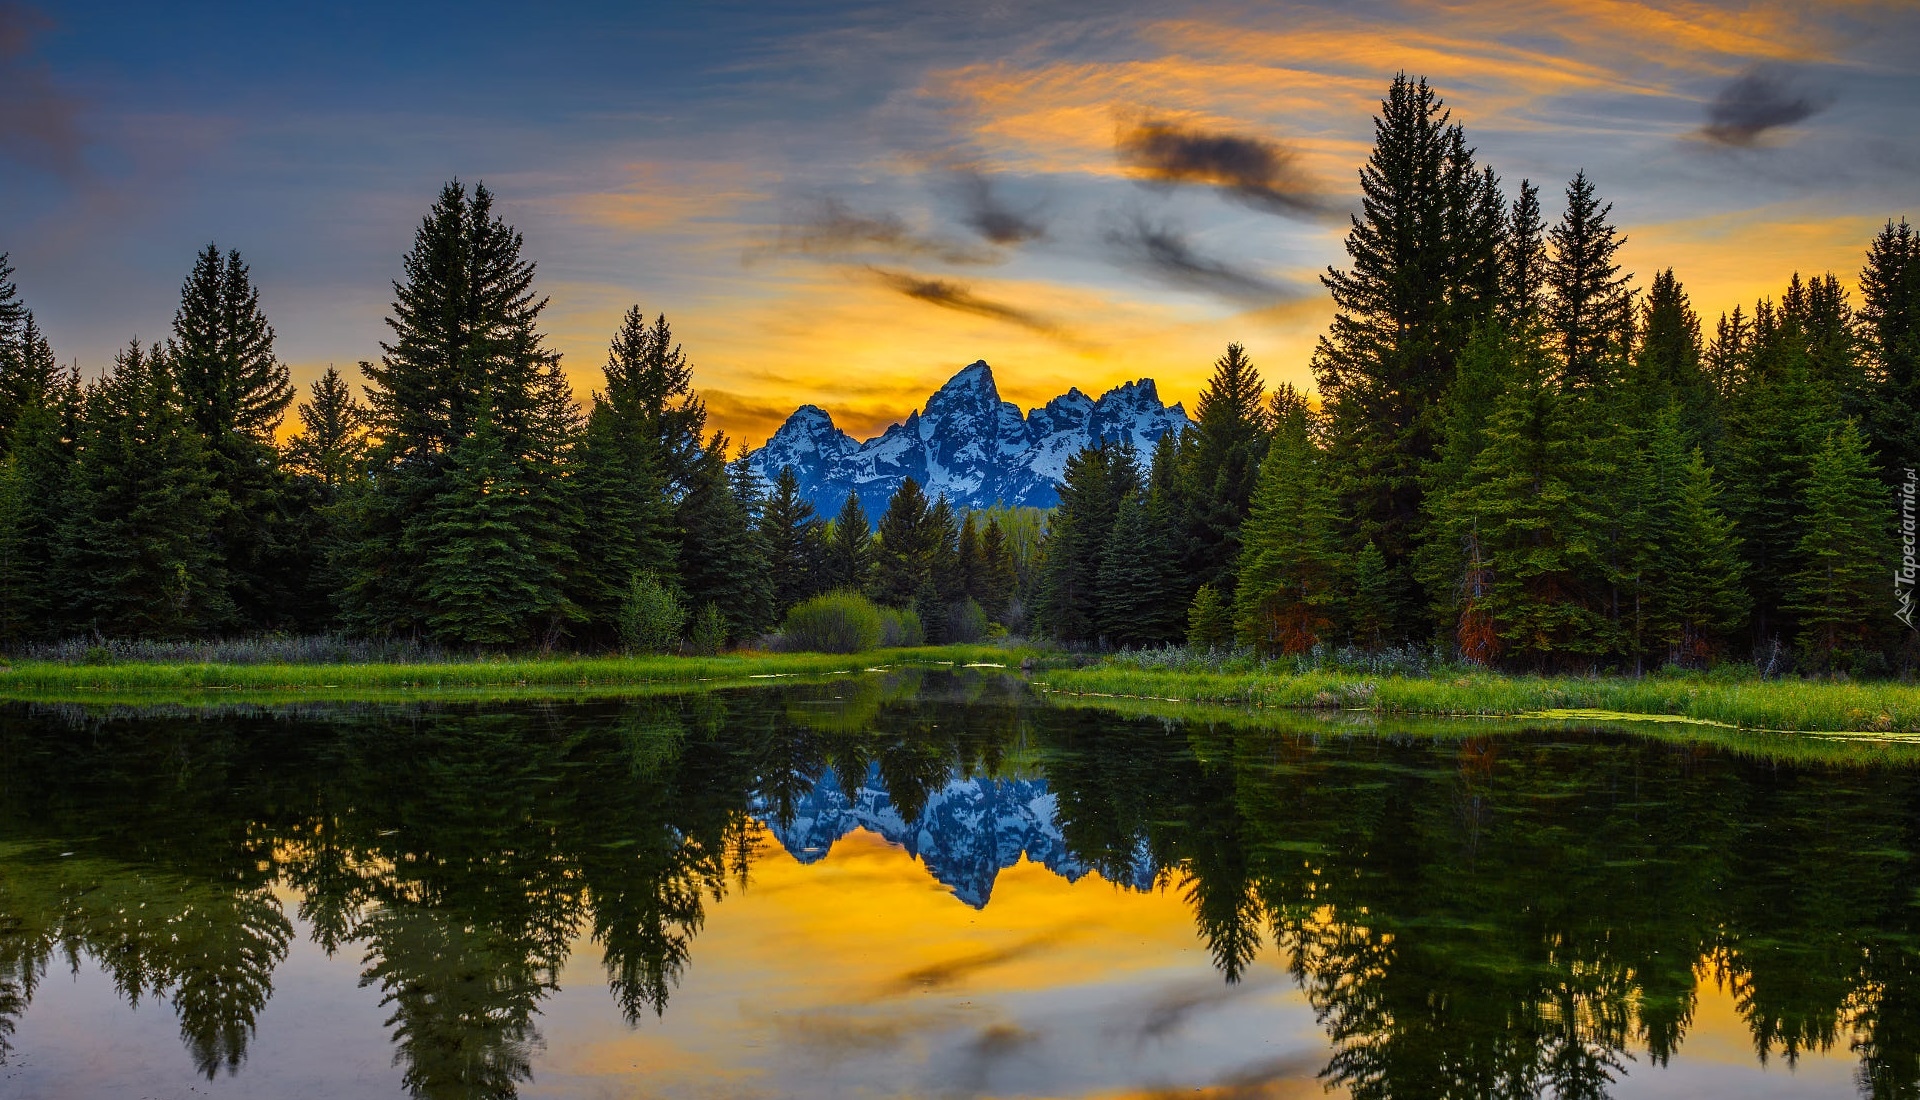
(1903, 577)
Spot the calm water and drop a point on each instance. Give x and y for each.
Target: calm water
(928, 884)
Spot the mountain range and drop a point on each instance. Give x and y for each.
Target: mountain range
(969, 831)
(965, 443)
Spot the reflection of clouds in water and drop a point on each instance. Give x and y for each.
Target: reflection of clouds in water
(951, 971)
(1168, 1012)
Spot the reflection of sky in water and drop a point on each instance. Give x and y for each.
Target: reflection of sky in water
(856, 974)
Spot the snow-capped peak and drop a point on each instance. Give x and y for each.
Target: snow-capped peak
(965, 443)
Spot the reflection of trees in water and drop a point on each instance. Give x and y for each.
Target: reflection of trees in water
(1505, 920)
(1477, 916)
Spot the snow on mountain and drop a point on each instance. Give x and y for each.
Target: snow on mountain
(966, 443)
(969, 831)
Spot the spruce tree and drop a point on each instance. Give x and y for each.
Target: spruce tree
(465, 348)
(1219, 462)
(723, 562)
(1890, 334)
(236, 392)
(331, 447)
(1690, 568)
(1134, 605)
(999, 582)
(1529, 560)
(1589, 305)
(1429, 229)
(13, 383)
(1095, 482)
(1523, 263)
(1838, 584)
(1210, 620)
(41, 461)
(943, 552)
(480, 573)
(1288, 587)
(1667, 369)
(849, 552)
(136, 554)
(1370, 610)
(903, 555)
(788, 528)
(651, 382)
(970, 577)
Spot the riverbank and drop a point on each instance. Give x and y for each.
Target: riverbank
(1784, 706)
(42, 681)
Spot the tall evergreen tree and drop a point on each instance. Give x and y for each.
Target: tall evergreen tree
(331, 447)
(466, 347)
(850, 552)
(1689, 567)
(633, 433)
(480, 571)
(1429, 226)
(1528, 559)
(1590, 307)
(1890, 333)
(1838, 583)
(13, 320)
(1096, 481)
(790, 531)
(136, 553)
(1290, 561)
(40, 464)
(723, 562)
(1137, 604)
(999, 582)
(903, 556)
(651, 382)
(967, 560)
(1523, 262)
(1219, 462)
(943, 552)
(1667, 369)
(236, 392)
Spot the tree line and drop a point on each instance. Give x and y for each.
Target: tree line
(1516, 455)
(468, 500)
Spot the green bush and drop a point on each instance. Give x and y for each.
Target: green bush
(709, 634)
(839, 622)
(901, 628)
(966, 622)
(651, 617)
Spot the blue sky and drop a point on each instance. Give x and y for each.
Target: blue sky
(843, 203)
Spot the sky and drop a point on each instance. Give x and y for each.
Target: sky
(843, 203)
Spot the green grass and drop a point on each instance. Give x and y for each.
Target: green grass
(36, 681)
(1755, 705)
(1826, 749)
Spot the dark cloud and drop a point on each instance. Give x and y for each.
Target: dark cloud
(1763, 98)
(830, 228)
(945, 973)
(38, 122)
(991, 217)
(1262, 174)
(1163, 251)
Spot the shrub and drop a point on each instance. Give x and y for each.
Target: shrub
(838, 622)
(901, 628)
(709, 634)
(651, 617)
(966, 622)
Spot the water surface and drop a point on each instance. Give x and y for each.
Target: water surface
(918, 884)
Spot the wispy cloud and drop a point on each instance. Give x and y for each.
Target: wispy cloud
(1164, 251)
(1260, 173)
(1765, 97)
(948, 294)
(39, 123)
(830, 229)
(991, 216)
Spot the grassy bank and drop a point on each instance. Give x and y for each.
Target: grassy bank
(41, 681)
(1759, 705)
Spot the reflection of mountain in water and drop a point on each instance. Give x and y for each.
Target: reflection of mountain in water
(970, 830)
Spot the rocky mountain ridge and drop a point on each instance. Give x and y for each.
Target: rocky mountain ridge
(965, 443)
